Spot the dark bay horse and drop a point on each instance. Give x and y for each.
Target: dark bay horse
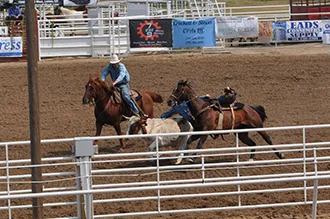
(108, 112)
(207, 117)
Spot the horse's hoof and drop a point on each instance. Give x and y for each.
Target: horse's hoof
(251, 160)
(280, 155)
(96, 149)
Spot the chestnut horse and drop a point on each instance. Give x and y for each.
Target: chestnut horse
(108, 112)
(207, 117)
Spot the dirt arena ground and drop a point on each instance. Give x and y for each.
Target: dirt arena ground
(293, 86)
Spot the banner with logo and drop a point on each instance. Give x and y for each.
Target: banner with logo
(304, 30)
(236, 27)
(193, 33)
(150, 33)
(11, 47)
(326, 31)
(279, 31)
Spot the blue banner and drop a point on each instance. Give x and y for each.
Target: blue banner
(11, 47)
(193, 33)
(279, 31)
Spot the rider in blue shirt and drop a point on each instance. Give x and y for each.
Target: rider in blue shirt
(225, 100)
(121, 78)
(182, 109)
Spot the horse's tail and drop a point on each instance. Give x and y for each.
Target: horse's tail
(157, 98)
(261, 111)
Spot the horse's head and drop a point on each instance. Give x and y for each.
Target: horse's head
(94, 88)
(134, 125)
(180, 93)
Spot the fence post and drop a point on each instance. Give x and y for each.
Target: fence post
(84, 150)
(315, 191)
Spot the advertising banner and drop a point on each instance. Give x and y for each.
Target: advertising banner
(150, 33)
(265, 32)
(279, 31)
(326, 31)
(11, 47)
(236, 27)
(304, 30)
(193, 33)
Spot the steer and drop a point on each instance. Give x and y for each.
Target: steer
(158, 125)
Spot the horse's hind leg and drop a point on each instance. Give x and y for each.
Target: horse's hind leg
(191, 140)
(202, 139)
(244, 137)
(266, 137)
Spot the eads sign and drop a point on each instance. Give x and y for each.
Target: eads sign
(326, 32)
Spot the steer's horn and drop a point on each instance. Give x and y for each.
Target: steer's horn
(128, 118)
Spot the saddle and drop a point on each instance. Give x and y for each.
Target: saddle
(118, 99)
(215, 104)
(236, 106)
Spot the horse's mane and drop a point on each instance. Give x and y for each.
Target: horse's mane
(97, 80)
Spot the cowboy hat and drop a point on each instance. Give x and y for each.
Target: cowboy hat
(114, 59)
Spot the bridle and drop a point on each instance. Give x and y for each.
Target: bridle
(178, 98)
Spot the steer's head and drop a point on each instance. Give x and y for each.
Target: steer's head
(134, 125)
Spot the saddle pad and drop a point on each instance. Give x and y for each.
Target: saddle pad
(220, 122)
(133, 93)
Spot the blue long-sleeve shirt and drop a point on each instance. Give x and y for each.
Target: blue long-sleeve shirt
(14, 11)
(120, 74)
(182, 109)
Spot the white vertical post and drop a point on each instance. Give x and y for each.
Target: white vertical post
(92, 39)
(100, 20)
(169, 12)
(84, 150)
(304, 154)
(127, 37)
(158, 174)
(203, 168)
(79, 197)
(238, 170)
(118, 29)
(315, 191)
(8, 181)
(110, 32)
(113, 28)
(39, 41)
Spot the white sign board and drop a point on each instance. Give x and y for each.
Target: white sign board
(326, 32)
(233, 27)
(304, 31)
(3, 31)
(11, 47)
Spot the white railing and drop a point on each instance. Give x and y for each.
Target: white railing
(120, 181)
